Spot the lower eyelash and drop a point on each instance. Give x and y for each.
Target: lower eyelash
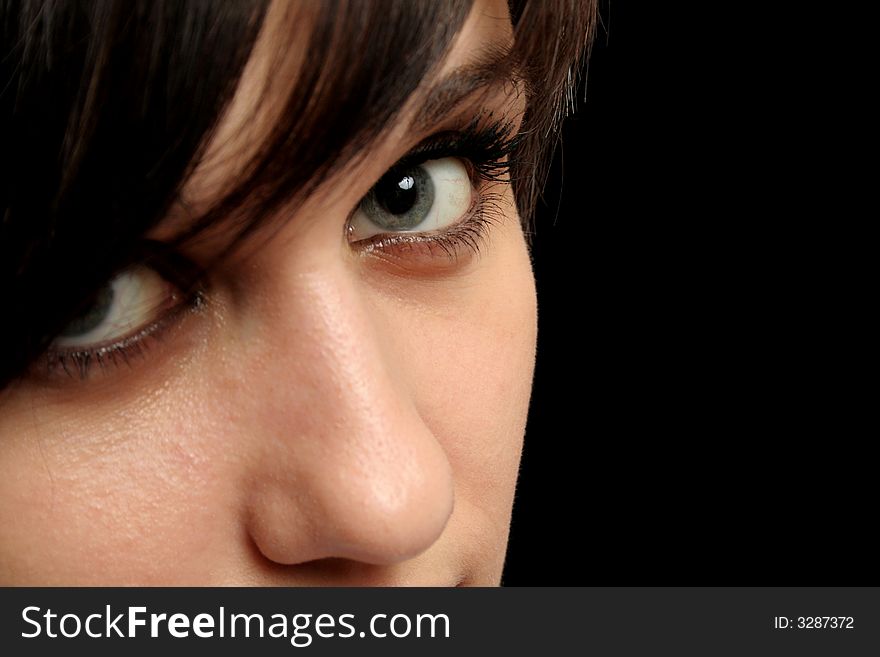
(470, 233)
(486, 150)
(79, 362)
(485, 147)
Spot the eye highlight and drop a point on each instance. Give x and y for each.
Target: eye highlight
(435, 204)
(422, 197)
(439, 196)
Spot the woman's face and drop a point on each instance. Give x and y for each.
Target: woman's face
(333, 413)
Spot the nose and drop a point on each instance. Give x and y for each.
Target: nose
(344, 466)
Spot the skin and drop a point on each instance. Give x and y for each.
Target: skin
(329, 417)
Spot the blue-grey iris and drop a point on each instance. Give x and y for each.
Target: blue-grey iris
(93, 316)
(401, 200)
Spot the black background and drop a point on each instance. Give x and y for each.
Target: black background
(694, 418)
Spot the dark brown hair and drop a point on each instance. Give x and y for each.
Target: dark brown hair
(107, 107)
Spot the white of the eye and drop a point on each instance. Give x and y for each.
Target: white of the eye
(137, 294)
(453, 195)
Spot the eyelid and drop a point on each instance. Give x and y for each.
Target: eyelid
(497, 68)
(439, 253)
(496, 136)
(484, 149)
(484, 145)
(182, 274)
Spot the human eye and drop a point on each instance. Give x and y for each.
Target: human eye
(415, 198)
(120, 320)
(439, 198)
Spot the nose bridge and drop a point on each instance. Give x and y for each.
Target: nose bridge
(354, 473)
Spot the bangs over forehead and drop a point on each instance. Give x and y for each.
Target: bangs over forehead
(323, 81)
(108, 109)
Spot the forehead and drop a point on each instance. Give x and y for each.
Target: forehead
(286, 90)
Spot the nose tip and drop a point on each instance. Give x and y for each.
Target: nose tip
(345, 466)
(380, 508)
(388, 515)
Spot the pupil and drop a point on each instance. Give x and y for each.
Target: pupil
(401, 199)
(397, 193)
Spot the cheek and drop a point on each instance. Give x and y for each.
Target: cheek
(149, 489)
(104, 498)
(468, 354)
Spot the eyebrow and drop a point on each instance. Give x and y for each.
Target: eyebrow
(495, 65)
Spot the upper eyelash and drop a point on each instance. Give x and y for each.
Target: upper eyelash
(486, 147)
